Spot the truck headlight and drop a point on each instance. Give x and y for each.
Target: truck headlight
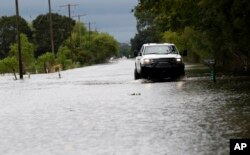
(146, 61)
(178, 60)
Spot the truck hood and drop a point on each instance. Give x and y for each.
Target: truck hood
(158, 56)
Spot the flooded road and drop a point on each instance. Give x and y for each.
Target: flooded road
(101, 110)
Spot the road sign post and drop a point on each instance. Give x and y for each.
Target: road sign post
(211, 63)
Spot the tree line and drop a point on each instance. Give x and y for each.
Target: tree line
(207, 28)
(74, 45)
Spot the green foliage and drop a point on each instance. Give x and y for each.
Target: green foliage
(103, 47)
(8, 33)
(226, 27)
(2, 67)
(83, 47)
(172, 37)
(42, 32)
(78, 33)
(85, 57)
(207, 28)
(125, 50)
(27, 50)
(190, 39)
(9, 65)
(63, 57)
(145, 36)
(46, 62)
(164, 15)
(78, 43)
(92, 47)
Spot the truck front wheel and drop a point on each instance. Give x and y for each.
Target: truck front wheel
(136, 75)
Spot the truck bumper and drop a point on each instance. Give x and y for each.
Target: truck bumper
(171, 70)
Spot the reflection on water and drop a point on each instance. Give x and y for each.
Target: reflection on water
(180, 85)
(224, 111)
(102, 110)
(201, 116)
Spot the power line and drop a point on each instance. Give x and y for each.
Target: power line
(69, 8)
(79, 22)
(51, 30)
(69, 11)
(79, 17)
(89, 24)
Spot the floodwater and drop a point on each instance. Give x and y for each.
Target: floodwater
(101, 110)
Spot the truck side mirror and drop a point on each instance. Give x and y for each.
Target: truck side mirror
(139, 54)
(135, 53)
(184, 53)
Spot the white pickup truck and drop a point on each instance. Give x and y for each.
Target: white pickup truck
(159, 61)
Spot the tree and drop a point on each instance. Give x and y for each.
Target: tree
(125, 50)
(85, 49)
(210, 28)
(63, 56)
(27, 52)
(9, 64)
(142, 37)
(46, 61)
(77, 43)
(225, 24)
(8, 33)
(78, 32)
(103, 47)
(42, 35)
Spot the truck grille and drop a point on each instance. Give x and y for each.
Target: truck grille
(164, 60)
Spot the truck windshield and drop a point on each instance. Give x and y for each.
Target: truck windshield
(160, 49)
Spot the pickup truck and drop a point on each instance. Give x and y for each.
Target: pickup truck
(159, 61)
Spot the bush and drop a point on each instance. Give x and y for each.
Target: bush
(9, 65)
(46, 62)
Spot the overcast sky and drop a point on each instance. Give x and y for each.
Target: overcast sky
(111, 16)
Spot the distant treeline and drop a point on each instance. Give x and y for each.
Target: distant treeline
(207, 28)
(74, 44)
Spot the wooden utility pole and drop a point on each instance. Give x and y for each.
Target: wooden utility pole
(90, 29)
(69, 11)
(51, 30)
(19, 42)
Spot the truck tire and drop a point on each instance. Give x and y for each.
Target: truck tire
(136, 75)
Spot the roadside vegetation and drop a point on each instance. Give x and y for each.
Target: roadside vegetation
(74, 44)
(208, 29)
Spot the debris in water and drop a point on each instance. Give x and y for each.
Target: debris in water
(135, 94)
